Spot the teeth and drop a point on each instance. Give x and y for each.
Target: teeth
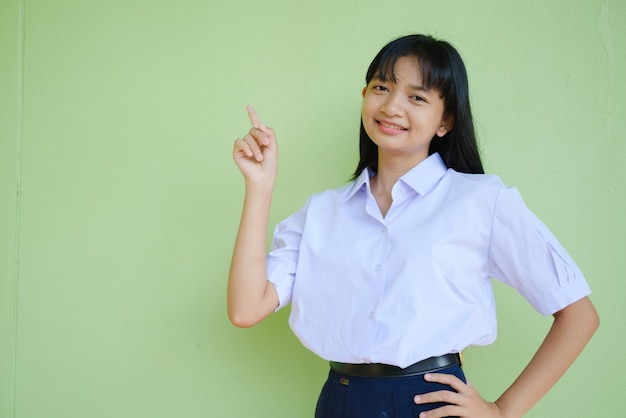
(386, 125)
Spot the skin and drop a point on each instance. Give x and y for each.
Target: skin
(401, 118)
(250, 296)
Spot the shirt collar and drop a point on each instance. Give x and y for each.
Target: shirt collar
(422, 178)
(361, 182)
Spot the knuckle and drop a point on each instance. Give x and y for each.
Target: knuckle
(446, 411)
(446, 396)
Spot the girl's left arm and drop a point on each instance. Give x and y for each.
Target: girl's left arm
(572, 328)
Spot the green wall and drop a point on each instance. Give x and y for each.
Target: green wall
(10, 138)
(119, 199)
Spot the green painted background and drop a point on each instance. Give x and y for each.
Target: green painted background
(119, 199)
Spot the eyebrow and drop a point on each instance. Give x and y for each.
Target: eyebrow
(418, 88)
(415, 87)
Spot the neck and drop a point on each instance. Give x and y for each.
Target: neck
(391, 169)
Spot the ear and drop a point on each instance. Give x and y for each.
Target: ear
(446, 126)
(363, 91)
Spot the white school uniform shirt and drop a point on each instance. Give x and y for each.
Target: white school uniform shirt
(416, 283)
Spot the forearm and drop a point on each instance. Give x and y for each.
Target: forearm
(250, 296)
(572, 328)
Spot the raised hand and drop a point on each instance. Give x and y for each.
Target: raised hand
(256, 154)
(251, 297)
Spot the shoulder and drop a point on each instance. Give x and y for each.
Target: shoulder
(505, 202)
(318, 207)
(323, 202)
(472, 184)
(338, 194)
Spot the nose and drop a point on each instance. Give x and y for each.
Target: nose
(392, 106)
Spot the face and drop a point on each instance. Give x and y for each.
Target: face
(402, 117)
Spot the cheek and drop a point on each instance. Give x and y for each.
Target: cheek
(368, 107)
(364, 112)
(368, 125)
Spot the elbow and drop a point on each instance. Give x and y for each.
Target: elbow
(241, 322)
(242, 319)
(247, 311)
(595, 320)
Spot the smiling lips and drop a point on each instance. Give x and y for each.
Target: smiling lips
(390, 128)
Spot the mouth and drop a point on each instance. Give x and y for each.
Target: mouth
(390, 127)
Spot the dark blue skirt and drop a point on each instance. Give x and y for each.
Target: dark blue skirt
(346, 396)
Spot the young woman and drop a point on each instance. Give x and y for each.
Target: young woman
(389, 276)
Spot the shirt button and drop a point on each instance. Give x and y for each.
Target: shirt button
(371, 315)
(377, 268)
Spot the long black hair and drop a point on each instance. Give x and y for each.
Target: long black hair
(442, 69)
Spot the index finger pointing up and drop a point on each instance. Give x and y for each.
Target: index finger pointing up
(254, 118)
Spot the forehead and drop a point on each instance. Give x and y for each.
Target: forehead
(404, 68)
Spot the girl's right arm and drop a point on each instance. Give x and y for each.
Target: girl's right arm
(251, 297)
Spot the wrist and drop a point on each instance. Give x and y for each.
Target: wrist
(503, 413)
(260, 186)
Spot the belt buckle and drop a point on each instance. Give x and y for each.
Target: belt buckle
(461, 358)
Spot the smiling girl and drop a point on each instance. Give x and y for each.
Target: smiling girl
(389, 276)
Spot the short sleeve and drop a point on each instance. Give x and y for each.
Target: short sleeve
(282, 259)
(525, 255)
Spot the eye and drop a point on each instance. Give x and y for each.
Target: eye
(379, 87)
(417, 98)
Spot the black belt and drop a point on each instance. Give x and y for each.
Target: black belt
(431, 364)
